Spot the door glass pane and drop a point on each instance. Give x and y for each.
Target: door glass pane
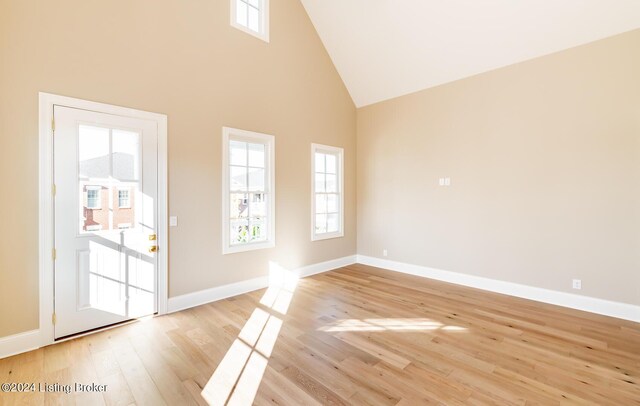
(109, 179)
(124, 198)
(93, 152)
(108, 206)
(94, 207)
(125, 205)
(126, 155)
(94, 197)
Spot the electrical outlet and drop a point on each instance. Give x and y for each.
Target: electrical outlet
(441, 181)
(384, 253)
(447, 181)
(173, 221)
(577, 284)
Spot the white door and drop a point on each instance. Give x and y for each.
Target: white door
(106, 177)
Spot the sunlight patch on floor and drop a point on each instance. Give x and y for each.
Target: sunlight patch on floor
(238, 376)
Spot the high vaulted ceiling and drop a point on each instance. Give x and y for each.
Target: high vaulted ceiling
(388, 48)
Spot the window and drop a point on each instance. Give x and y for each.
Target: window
(327, 211)
(124, 201)
(93, 197)
(248, 178)
(252, 17)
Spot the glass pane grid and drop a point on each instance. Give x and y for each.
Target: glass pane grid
(248, 14)
(109, 176)
(252, 3)
(248, 197)
(327, 210)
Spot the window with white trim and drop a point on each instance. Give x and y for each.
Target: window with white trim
(248, 178)
(252, 17)
(327, 208)
(124, 199)
(93, 197)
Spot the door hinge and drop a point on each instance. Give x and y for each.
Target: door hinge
(53, 124)
(54, 319)
(54, 254)
(53, 190)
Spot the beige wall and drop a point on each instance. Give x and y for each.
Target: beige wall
(180, 58)
(544, 160)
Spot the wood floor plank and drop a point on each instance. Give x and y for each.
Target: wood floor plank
(144, 390)
(118, 393)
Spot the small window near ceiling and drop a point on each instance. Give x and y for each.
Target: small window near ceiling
(327, 201)
(248, 191)
(252, 17)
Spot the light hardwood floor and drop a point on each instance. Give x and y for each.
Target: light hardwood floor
(358, 335)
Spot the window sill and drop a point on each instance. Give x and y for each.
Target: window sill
(263, 36)
(326, 236)
(247, 247)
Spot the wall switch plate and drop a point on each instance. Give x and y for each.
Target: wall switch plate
(577, 284)
(441, 181)
(173, 221)
(384, 253)
(447, 181)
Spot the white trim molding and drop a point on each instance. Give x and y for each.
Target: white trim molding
(585, 303)
(19, 343)
(339, 154)
(233, 289)
(268, 141)
(46, 206)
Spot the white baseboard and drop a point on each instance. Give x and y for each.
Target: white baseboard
(325, 266)
(19, 343)
(590, 304)
(31, 340)
(201, 297)
(233, 289)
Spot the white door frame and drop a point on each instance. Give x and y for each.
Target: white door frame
(46, 204)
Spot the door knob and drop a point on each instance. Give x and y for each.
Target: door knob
(153, 248)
